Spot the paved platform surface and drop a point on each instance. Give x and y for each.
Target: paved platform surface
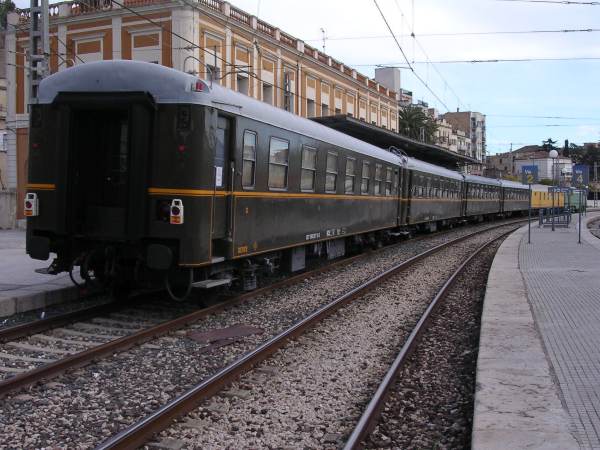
(21, 288)
(538, 374)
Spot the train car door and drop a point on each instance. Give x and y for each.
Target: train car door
(108, 147)
(223, 186)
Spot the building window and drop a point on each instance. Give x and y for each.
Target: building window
(147, 47)
(350, 175)
(249, 159)
(288, 91)
(332, 171)
(388, 181)
(267, 93)
(242, 84)
(309, 169)
(310, 108)
(278, 163)
(364, 182)
(324, 110)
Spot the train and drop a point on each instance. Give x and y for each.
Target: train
(142, 175)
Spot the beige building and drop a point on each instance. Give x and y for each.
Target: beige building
(210, 38)
(473, 125)
(443, 134)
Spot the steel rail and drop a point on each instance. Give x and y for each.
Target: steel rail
(137, 434)
(370, 416)
(29, 328)
(82, 358)
(38, 326)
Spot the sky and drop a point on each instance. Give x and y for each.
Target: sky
(511, 94)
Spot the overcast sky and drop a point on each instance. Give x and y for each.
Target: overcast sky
(503, 91)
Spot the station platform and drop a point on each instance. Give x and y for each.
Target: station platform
(538, 370)
(21, 288)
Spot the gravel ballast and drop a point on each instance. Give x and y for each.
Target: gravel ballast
(311, 393)
(431, 403)
(86, 406)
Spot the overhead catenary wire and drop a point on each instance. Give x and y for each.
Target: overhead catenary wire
(555, 2)
(465, 33)
(406, 59)
(193, 45)
(480, 61)
(412, 34)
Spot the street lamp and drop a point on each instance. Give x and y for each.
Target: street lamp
(553, 154)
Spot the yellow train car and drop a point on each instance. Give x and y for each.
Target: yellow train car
(542, 198)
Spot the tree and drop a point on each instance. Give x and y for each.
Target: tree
(549, 145)
(6, 6)
(415, 124)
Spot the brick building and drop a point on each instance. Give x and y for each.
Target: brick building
(210, 38)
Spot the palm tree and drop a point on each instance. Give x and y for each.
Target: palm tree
(6, 6)
(415, 124)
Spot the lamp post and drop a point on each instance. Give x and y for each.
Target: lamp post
(553, 154)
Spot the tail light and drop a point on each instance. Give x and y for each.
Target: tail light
(176, 217)
(32, 205)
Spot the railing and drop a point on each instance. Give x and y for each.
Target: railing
(361, 78)
(348, 71)
(264, 27)
(288, 40)
(239, 15)
(308, 50)
(336, 65)
(323, 58)
(382, 90)
(213, 4)
(372, 84)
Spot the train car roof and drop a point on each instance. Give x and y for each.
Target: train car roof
(168, 85)
(422, 166)
(539, 187)
(513, 184)
(482, 180)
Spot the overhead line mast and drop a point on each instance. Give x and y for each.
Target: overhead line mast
(39, 45)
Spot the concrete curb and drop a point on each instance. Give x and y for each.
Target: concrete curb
(36, 299)
(516, 401)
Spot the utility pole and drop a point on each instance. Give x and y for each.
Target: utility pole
(39, 45)
(595, 183)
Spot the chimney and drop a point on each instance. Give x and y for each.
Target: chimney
(457, 109)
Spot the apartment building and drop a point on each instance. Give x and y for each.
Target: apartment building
(473, 125)
(210, 38)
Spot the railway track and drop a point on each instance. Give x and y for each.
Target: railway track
(369, 419)
(138, 433)
(38, 351)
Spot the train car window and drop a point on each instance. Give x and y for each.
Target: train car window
(278, 163)
(388, 181)
(249, 159)
(428, 188)
(377, 185)
(365, 176)
(332, 172)
(309, 169)
(350, 175)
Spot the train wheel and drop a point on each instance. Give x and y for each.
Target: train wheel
(93, 269)
(178, 283)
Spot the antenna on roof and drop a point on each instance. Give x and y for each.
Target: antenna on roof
(324, 38)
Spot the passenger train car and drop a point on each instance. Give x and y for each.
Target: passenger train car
(138, 173)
